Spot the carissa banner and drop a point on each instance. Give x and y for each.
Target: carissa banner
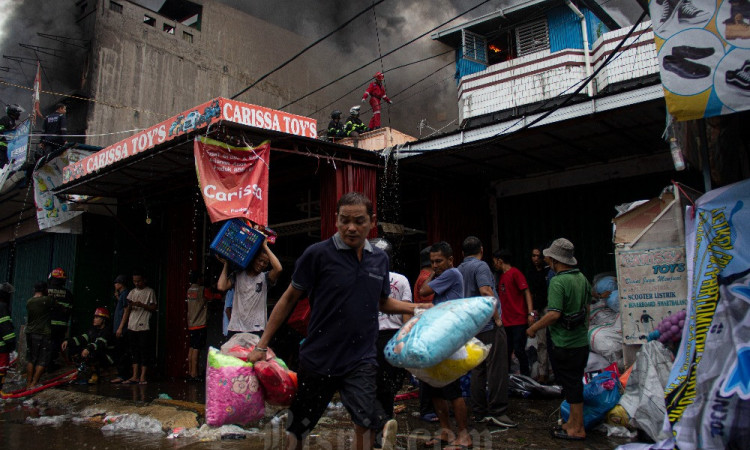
(704, 55)
(215, 111)
(233, 180)
(652, 285)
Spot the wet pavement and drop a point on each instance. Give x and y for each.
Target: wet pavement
(70, 419)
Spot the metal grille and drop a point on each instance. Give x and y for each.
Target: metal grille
(532, 37)
(474, 47)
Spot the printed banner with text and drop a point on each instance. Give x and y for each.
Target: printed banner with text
(53, 214)
(704, 55)
(233, 180)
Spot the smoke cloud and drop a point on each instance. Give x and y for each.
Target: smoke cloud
(431, 103)
(61, 56)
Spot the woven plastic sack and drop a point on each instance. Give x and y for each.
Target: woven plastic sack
(433, 336)
(232, 391)
(455, 366)
(277, 384)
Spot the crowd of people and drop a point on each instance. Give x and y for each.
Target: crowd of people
(356, 305)
(123, 341)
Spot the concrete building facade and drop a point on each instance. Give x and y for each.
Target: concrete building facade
(144, 66)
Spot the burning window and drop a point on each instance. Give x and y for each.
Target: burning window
(116, 7)
(150, 21)
(501, 47)
(187, 37)
(169, 29)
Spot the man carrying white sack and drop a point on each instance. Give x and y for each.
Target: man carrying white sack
(346, 280)
(446, 282)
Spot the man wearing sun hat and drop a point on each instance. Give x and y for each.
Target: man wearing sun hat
(567, 317)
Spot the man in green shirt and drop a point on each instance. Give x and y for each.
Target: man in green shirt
(567, 318)
(38, 334)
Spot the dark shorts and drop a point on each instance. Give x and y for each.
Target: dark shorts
(448, 392)
(38, 349)
(231, 333)
(198, 338)
(570, 364)
(357, 391)
(141, 347)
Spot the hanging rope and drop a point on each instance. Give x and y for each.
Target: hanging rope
(380, 55)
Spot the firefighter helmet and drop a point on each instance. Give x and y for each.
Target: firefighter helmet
(354, 111)
(14, 111)
(335, 114)
(101, 312)
(57, 273)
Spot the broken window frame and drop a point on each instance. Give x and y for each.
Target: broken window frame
(474, 47)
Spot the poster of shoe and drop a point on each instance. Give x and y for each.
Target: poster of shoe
(704, 54)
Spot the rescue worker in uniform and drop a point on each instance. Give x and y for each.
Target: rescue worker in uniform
(55, 128)
(61, 312)
(354, 126)
(335, 127)
(7, 124)
(376, 92)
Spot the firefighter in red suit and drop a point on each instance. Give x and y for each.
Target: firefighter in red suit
(376, 92)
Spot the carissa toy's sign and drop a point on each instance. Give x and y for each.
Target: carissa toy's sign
(652, 285)
(213, 111)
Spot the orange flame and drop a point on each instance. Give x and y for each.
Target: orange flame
(495, 48)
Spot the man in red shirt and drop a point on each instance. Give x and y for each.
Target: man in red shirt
(425, 272)
(516, 306)
(376, 92)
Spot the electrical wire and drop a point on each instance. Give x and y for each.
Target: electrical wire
(383, 56)
(92, 100)
(339, 28)
(384, 72)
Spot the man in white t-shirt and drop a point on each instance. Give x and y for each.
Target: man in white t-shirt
(141, 304)
(389, 378)
(249, 309)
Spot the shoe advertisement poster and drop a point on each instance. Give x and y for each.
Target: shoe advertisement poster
(704, 55)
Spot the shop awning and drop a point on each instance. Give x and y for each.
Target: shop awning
(578, 144)
(160, 158)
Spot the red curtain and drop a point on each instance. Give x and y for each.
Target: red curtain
(453, 216)
(336, 182)
(178, 266)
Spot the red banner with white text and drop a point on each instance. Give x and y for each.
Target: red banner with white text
(233, 180)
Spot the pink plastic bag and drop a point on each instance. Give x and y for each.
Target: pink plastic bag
(233, 392)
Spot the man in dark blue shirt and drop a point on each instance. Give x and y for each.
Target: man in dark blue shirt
(346, 280)
(447, 283)
(54, 129)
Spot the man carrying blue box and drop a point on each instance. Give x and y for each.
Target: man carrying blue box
(249, 310)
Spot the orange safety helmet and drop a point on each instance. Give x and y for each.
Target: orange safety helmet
(101, 312)
(58, 273)
(379, 76)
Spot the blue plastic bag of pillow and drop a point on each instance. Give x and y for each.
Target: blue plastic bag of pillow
(434, 335)
(599, 396)
(613, 301)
